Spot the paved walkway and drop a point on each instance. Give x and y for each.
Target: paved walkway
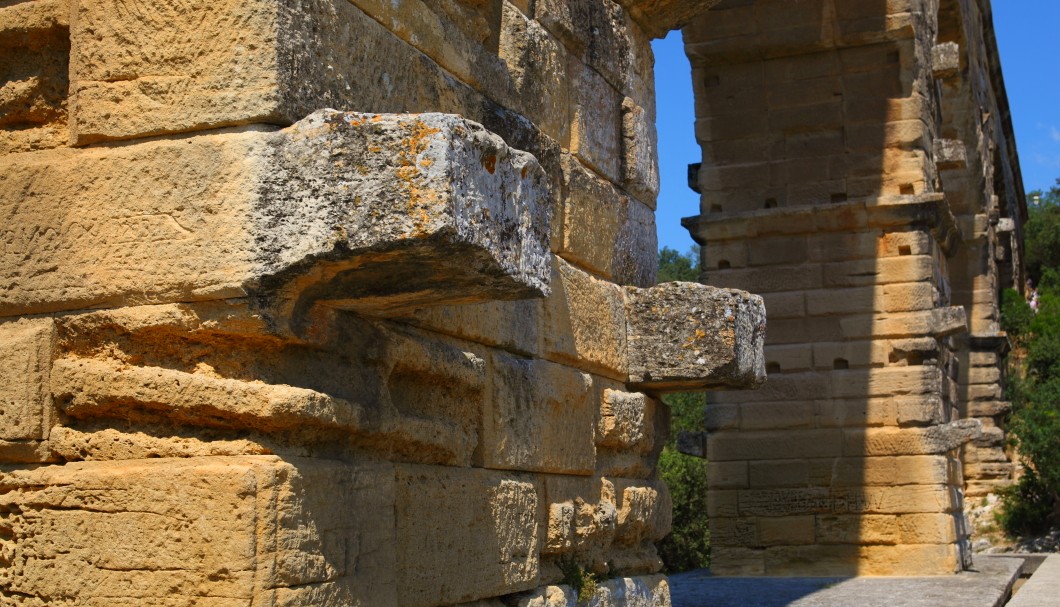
(1043, 589)
(987, 586)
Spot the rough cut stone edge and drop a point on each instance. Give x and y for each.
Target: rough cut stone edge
(685, 336)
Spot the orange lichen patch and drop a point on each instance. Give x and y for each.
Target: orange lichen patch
(417, 141)
(490, 162)
(525, 170)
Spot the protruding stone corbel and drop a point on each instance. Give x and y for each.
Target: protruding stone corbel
(686, 336)
(946, 60)
(382, 213)
(658, 17)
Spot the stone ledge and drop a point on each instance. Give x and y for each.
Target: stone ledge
(686, 336)
(375, 213)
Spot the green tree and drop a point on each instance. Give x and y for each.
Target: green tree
(1033, 504)
(688, 545)
(1042, 231)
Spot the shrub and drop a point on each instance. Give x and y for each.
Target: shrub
(688, 545)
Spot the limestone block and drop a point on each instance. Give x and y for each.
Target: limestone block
(687, 335)
(887, 381)
(644, 511)
(692, 443)
(640, 591)
(512, 325)
(540, 417)
(584, 321)
(794, 357)
(901, 560)
(658, 17)
(464, 534)
(137, 73)
(868, 500)
(219, 529)
(582, 517)
(640, 164)
(728, 446)
(536, 66)
(899, 470)
(988, 408)
(911, 441)
(307, 211)
(601, 34)
(636, 591)
(927, 528)
(774, 416)
(26, 352)
(945, 59)
(737, 561)
(727, 475)
(786, 530)
(605, 230)
(627, 421)
(35, 63)
(596, 121)
(950, 154)
(785, 305)
(721, 417)
(855, 529)
(938, 322)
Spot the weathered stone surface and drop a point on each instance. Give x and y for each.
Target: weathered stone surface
(542, 418)
(250, 529)
(315, 212)
(658, 17)
(35, 63)
(584, 320)
(464, 534)
(606, 231)
(626, 421)
(26, 352)
(684, 335)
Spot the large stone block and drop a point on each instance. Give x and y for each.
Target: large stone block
(464, 534)
(689, 336)
(540, 416)
(216, 530)
(35, 64)
(605, 230)
(584, 321)
(26, 352)
(137, 72)
(388, 211)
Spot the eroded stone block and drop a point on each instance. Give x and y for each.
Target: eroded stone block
(26, 352)
(685, 336)
(541, 418)
(369, 212)
(245, 529)
(464, 534)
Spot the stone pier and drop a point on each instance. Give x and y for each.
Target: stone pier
(859, 173)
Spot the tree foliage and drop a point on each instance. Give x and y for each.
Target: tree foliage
(688, 545)
(1042, 232)
(1033, 504)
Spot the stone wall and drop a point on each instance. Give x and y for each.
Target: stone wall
(859, 172)
(309, 302)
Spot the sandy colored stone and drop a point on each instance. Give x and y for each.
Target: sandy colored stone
(315, 191)
(542, 418)
(464, 534)
(26, 352)
(249, 529)
(35, 62)
(684, 335)
(606, 231)
(626, 421)
(584, 321)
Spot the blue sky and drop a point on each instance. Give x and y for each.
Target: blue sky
(1026, 31)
